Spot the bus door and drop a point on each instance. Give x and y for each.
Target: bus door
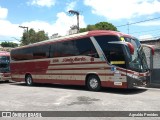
(116, 56)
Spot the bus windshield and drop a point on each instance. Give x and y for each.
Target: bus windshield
(4, 64)
(137, 61)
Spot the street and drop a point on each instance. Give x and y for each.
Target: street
(48, 97)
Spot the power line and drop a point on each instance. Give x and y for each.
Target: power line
(138, 22)
(146, 31)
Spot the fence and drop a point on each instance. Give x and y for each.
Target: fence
(155, 73)
(154, 65)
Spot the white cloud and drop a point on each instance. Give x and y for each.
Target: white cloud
(71, 6)
(123, 9)
(149, 23)
(145, 37)
(43, 3)
(9, 29)
(61, 26)
(3, 12)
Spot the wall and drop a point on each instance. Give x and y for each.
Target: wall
(156, 43)
(155, 76)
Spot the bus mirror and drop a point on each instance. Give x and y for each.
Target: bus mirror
(131, 47)
(149, 46)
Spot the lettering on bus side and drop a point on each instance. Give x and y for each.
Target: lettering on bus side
(76, 59)
(55, 60)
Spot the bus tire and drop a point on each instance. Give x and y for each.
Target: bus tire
(93, 83)
(29, 80)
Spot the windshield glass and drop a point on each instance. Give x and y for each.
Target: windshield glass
(113, 52)
(4, 59)
(4, 63)
(138, 60)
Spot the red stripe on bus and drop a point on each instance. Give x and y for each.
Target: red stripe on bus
(78, 63)
(123, 74)
(133, 73)
(78, 68)
(124, 70)
(101, 74)
(144, 74)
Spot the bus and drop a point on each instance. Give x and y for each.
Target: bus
(94, 59)
(4, 66)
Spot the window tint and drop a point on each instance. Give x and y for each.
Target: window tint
(73, 48)
(40, 52)
(113, 52)
(82, 46)
(21, 54)
(63, 49)
(86, 47)
(35, 52)
(107, 38)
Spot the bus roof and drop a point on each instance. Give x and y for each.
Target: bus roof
(80, 35)
(4, 53)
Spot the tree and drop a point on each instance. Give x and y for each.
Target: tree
(41, 35)
(9, 44)
(32, 37)
(99, 26)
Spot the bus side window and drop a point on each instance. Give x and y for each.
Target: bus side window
(40, 52)
(85, 47)
(63, 49)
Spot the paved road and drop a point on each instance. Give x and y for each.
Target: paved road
(18, 97)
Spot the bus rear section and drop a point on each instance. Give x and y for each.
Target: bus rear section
(5, 66)
(95, 59)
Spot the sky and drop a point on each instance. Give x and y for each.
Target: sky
(52, 16)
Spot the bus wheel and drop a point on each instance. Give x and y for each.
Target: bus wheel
(93, 83)
(29, 80)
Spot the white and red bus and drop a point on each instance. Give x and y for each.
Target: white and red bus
(95, 59)
(4, 66)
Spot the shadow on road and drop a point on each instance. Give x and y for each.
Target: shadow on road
(5, 82)
(83, 88)
(124, 91)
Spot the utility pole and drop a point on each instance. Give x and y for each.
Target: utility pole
(128, 27)
(24, 27)
(77, 14)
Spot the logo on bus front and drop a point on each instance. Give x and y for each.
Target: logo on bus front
(113, 68)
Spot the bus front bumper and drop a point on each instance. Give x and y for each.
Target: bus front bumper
(137, 82)
(5, 76)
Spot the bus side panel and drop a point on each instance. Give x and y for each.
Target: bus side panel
(68, 70)
(115, 78)
(20, 69)
(63, 82)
